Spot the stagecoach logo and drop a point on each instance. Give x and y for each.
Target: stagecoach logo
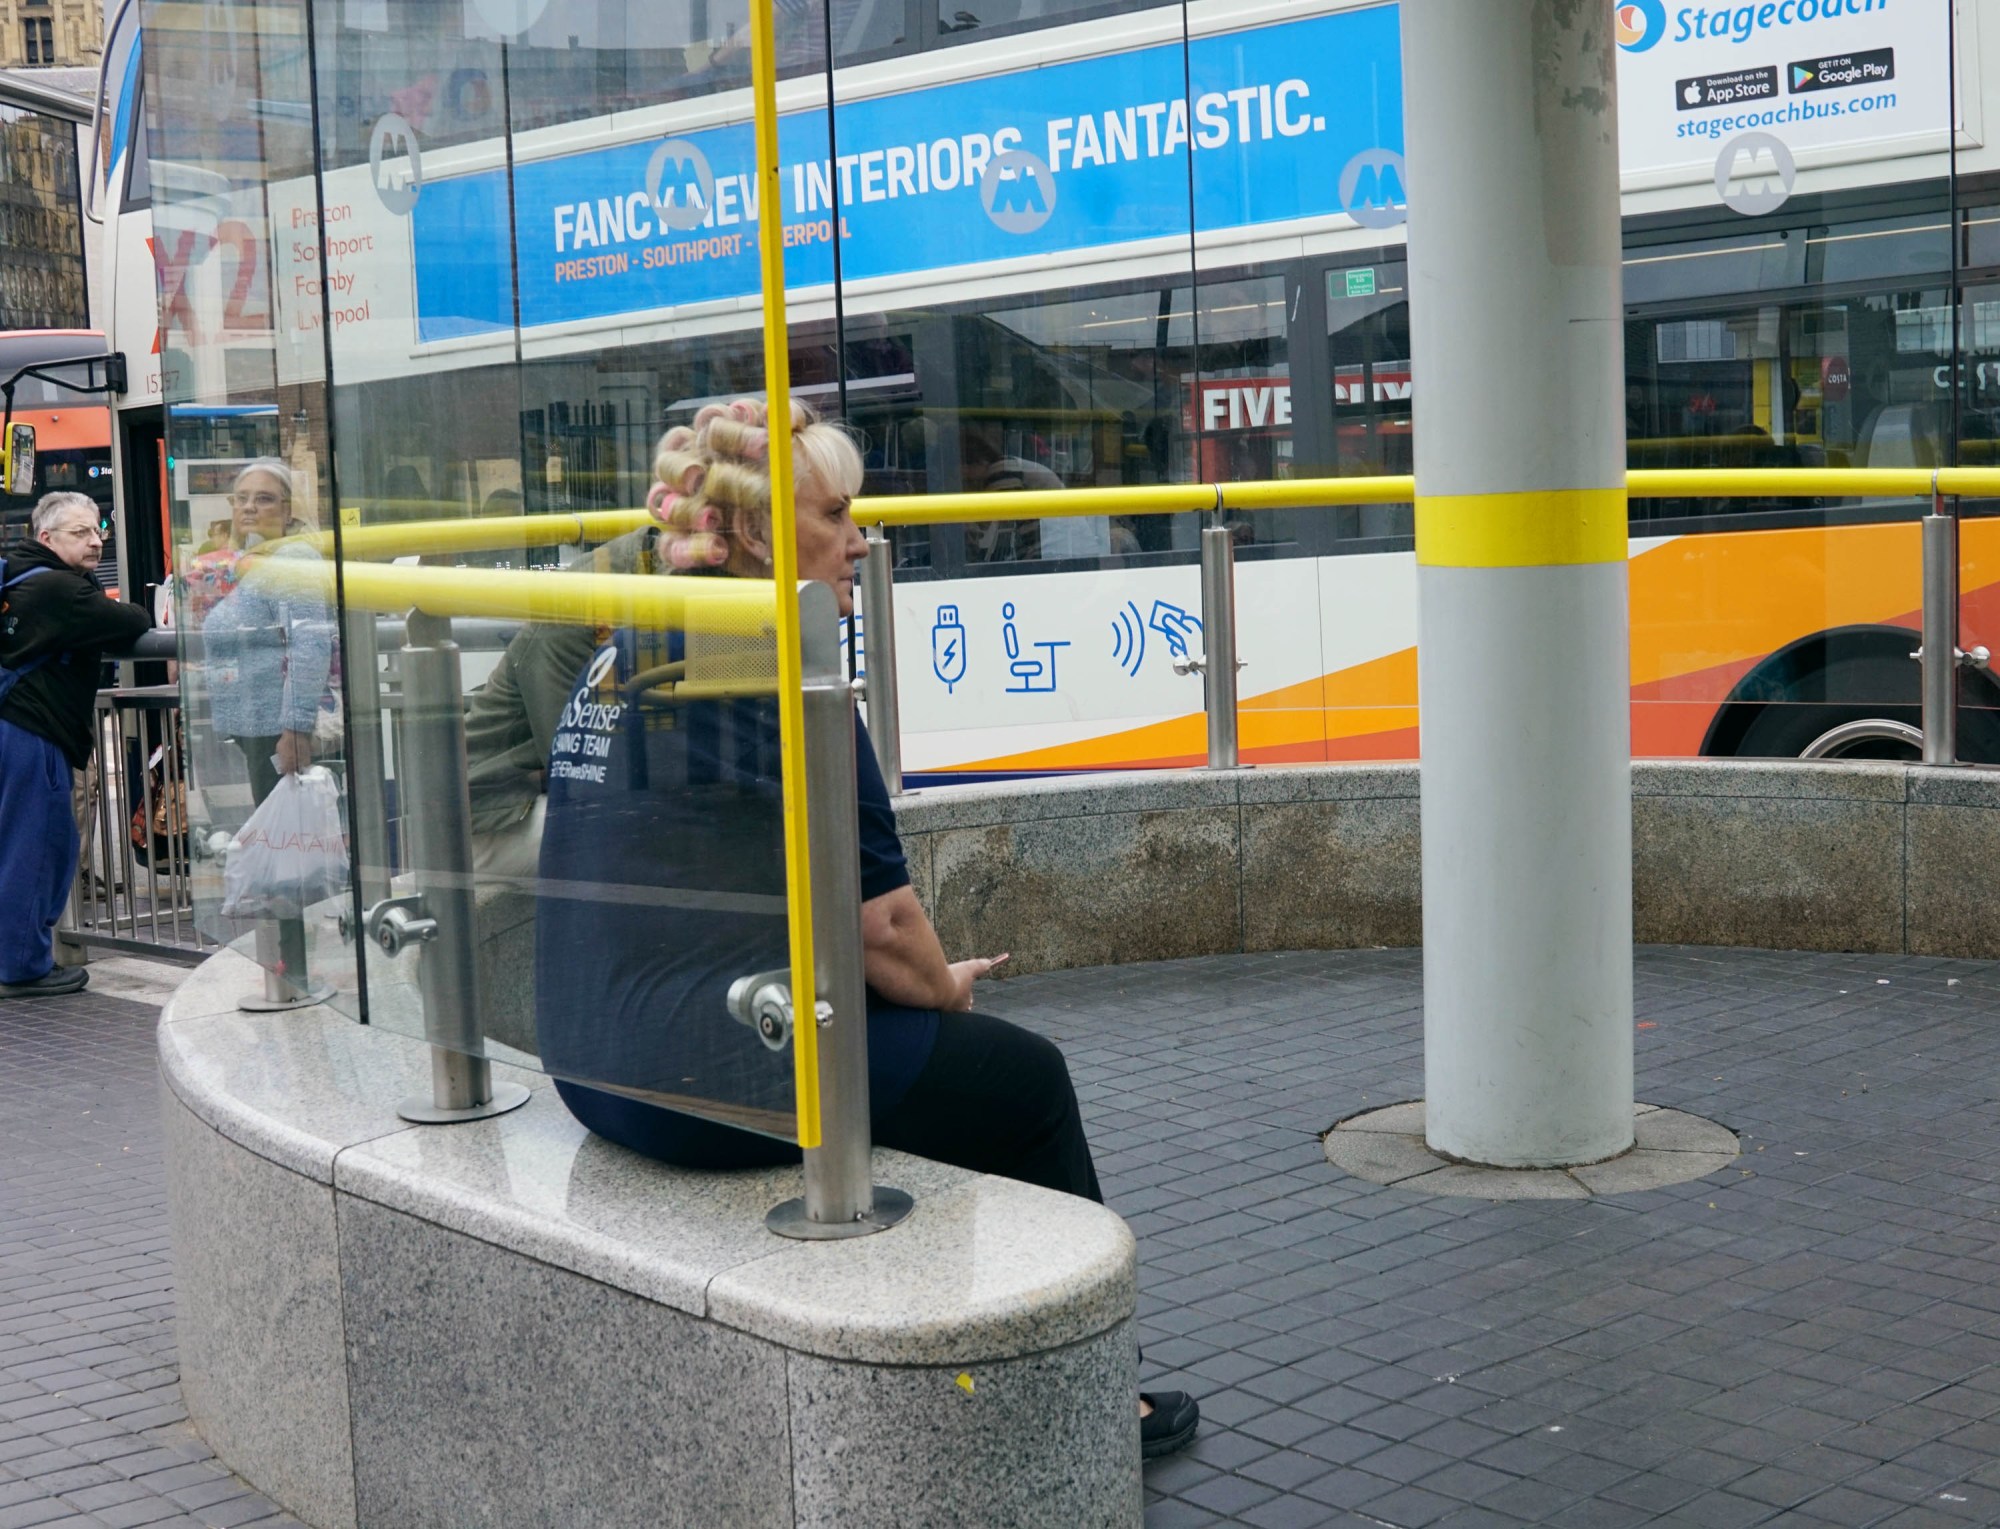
(1746, 169)
(397, 189)
(1372, 189)
(681, 184)
(1639, 25)
(1018, 191)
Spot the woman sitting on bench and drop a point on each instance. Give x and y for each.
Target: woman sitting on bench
(663, 881)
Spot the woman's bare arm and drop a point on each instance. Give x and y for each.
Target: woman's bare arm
(904, 961)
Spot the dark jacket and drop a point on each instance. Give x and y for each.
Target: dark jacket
(510, 721)
(64, 614)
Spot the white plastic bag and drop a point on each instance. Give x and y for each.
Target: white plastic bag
(291, 854)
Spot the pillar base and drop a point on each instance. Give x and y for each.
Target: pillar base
(1386, 1146)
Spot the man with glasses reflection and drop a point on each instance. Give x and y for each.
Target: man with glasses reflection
(55, 623)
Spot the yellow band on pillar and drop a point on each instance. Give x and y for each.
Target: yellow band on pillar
(1531, 530)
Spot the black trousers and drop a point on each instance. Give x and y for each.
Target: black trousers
(993, 1098)
(996, 1099)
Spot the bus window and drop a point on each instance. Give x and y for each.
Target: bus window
(72, 430)
(966, 19)
(1368, 340)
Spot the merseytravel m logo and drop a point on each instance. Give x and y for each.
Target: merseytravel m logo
(1639, 24)
(1018, 191)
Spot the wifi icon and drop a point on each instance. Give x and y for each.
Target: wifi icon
(1128, 638)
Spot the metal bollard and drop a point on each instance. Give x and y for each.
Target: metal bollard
(1219, 663)
(281, 952)
(841, 1198)
(1940, 654)
(366, 758)
(437, 817)
(878, 646)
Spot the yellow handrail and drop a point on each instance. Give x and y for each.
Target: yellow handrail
(1033, 504)
(723, 606)
(510, 531)
(489, 533)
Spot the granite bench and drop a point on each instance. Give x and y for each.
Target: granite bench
(513, 1322)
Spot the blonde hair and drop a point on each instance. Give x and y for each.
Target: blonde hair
(713, 477)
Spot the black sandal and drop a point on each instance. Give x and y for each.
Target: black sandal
(1170, 1426)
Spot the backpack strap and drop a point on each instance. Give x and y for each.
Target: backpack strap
(9, 677)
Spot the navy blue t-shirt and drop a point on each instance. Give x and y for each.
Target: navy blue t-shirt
(663, 881)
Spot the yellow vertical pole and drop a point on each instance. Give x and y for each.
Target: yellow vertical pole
(785, 569)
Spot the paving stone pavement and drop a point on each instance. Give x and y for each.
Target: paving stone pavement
(92, 1432)
(1808, 1338)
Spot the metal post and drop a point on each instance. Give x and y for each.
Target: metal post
(1218, 628)
(281, 952)
(878, 647)
(438, 821)
(367, 762)
(841, 1198)
(1939, 653)
(1511, 143)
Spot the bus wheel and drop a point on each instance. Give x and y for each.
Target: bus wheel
(1849, 693)
(1867, 738)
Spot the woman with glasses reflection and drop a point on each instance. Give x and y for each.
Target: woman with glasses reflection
(663, 881)
(267, 644)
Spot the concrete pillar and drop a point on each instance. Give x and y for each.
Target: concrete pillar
(1511, 130)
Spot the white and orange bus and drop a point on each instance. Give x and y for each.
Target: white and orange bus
(476, 263)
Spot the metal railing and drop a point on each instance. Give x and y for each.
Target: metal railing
(133, 892)
(1218, 613)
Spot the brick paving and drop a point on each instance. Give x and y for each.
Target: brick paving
(1808, 1338)
(92, 1432)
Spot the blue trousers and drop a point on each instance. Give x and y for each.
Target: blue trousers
(38, 849)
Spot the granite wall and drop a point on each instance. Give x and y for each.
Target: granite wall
(1094, 870)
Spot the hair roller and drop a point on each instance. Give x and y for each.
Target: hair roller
(688, 516)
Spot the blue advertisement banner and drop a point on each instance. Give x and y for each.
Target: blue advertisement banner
(1065, 158)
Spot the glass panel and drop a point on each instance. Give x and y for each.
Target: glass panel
(511, 319)
(1789, 306)
(230, 114)
(1018, 317)
(1304, 371)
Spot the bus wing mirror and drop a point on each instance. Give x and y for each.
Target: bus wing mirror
(17, 460)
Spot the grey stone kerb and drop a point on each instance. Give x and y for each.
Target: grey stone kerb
(1097, 870)
(512, 1321)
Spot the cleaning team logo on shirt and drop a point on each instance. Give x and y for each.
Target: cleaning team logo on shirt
(587, 726)
(1640, 24)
